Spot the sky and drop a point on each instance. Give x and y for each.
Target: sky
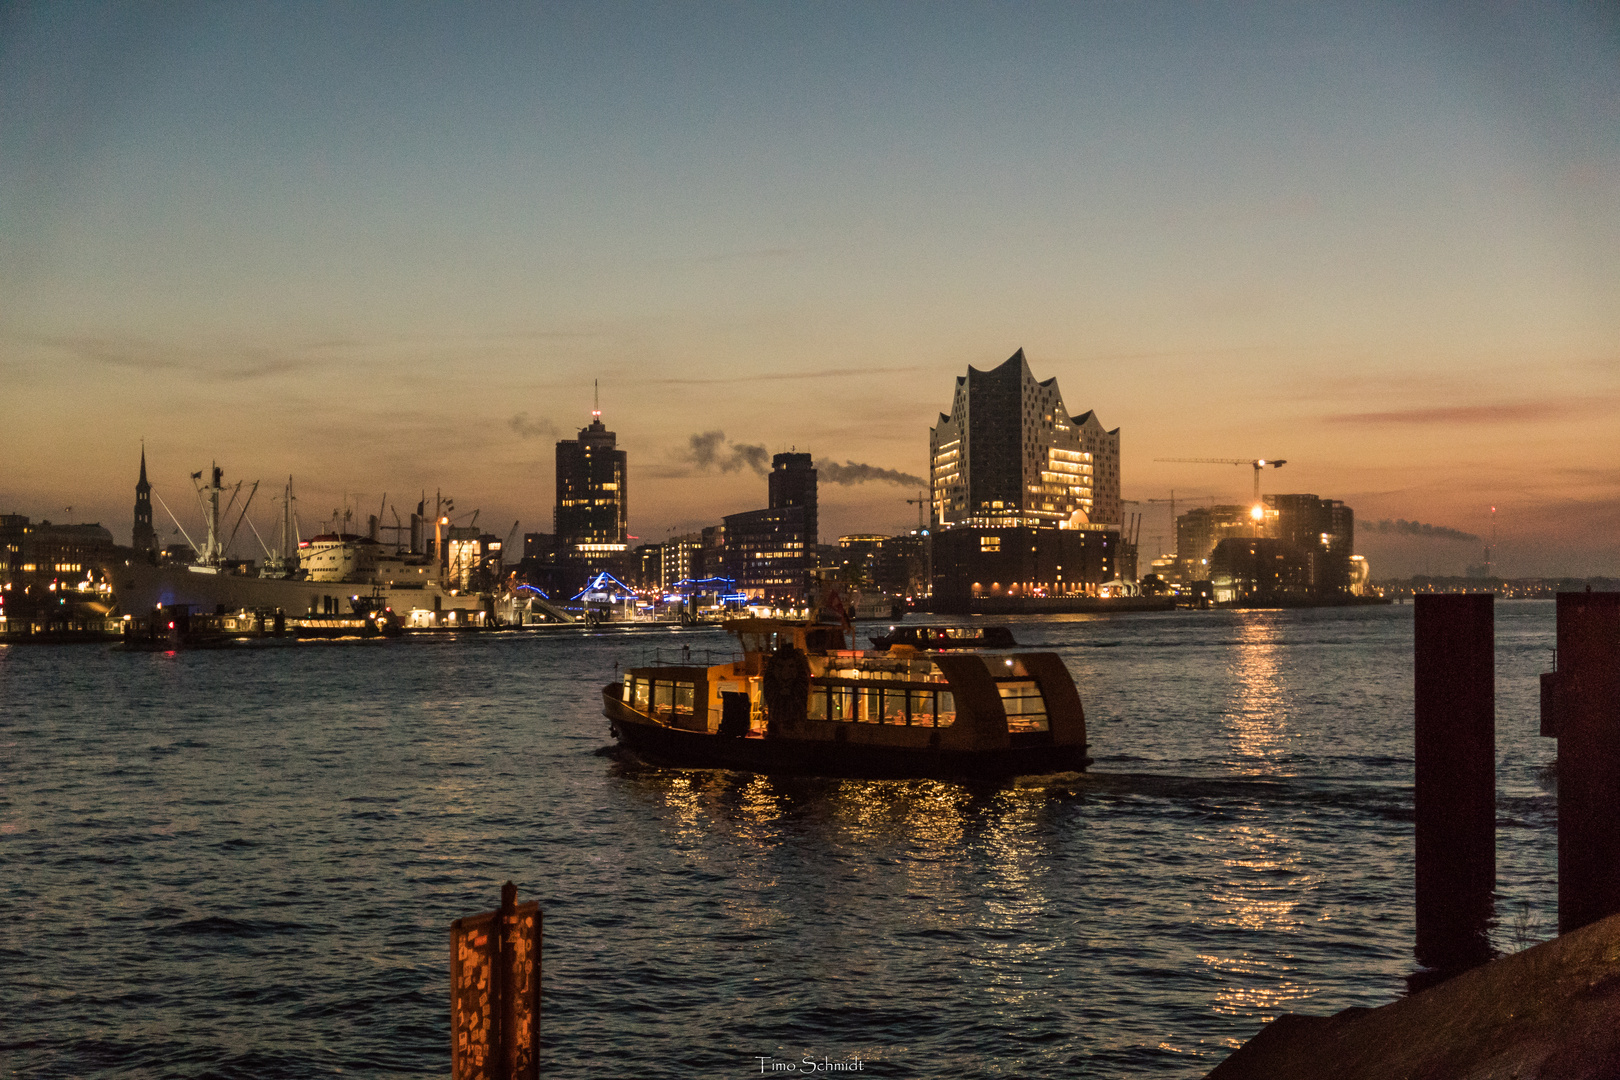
(388, 249)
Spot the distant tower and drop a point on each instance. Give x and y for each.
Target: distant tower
(793, 483)
(144, 537)
(592, 514)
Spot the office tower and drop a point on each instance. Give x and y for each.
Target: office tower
(592, 516)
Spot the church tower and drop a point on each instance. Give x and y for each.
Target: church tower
(144, 537)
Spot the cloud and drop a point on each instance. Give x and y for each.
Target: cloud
(823, 373)
(1417, 528)
(532, 429)
(1516, 412)
(851, 472)
(710, 451)
(224, 363)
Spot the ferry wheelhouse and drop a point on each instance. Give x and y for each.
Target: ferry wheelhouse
(801, 701)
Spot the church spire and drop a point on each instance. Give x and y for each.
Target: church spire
(144, 537)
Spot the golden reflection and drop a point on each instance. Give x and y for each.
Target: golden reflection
(1264, 884)
(1259, 987)
(1256, 718)
(1263, 891)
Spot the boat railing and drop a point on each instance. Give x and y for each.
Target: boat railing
(685, 656)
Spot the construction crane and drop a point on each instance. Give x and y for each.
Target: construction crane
(1257, 463)
(919, 502)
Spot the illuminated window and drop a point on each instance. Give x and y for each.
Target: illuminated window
(989, 543)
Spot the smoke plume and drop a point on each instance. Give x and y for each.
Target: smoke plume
(532, 429)
(711, 451)
(851, 472)
(1419, 528)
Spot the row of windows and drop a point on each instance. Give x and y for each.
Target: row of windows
(880, 705)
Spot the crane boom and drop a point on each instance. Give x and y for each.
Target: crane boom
(1257, 463)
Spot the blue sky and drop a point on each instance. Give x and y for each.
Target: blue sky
(389, 247)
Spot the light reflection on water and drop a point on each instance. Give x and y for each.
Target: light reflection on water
(1256, 720)
(259, 874)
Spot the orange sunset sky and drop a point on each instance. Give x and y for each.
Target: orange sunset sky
(388, 248)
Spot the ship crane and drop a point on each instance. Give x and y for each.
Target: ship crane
(1257, 463)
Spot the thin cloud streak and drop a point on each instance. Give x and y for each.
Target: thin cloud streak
(824, 373)
(1519, 412)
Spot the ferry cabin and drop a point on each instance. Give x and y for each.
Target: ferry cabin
(900, 698)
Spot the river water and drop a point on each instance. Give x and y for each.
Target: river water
(244, 863)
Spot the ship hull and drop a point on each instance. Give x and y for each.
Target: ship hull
(661, 745)
(140, 587)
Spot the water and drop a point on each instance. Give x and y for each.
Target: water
(244, 864)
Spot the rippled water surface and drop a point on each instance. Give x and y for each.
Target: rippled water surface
(245, 863)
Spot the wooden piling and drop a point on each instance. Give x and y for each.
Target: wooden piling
(1454, 734)
(1588, 731)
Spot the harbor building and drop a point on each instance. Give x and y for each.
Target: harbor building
(1303, 554)
(972, 566)
(54, 579)
(1008, 454)
(592, 522)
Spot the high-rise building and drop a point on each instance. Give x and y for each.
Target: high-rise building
(765, 552)
(1200, 529)
(144, 537)
(680, 559)
(1323, 531)
(592, 517)
(1009, 455)
(793, 483)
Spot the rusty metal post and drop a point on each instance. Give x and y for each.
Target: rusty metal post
(1454, 735)
(1588, 729)
(495, 992)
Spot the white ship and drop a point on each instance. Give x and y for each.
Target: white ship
(337, 573)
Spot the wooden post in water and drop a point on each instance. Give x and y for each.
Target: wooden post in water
(1454, 729)
(1586, 722)
(495, 992)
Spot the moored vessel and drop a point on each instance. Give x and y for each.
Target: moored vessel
(801, 701)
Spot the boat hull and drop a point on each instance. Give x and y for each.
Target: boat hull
(661, 745)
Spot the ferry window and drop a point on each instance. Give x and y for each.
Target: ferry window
(643, 688)
(684, 692)
(947, 709)
(629, 689)
(841, 703)
(817, 709)
(663, 697)
(1026, 709)
(922, 707)
(871, 705)
(894, 707)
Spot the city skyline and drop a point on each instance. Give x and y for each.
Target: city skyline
(390, 254)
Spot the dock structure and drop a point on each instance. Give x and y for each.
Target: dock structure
(1583, 700)
(1454, 796)
(1547, 1013)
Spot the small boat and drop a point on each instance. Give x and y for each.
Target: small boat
(947, 637)
(800, 701)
